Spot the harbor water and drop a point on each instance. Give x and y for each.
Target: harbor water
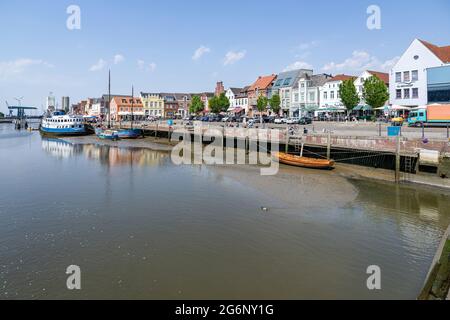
(140, 227)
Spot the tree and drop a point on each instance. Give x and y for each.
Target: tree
(213, 105)
(261, 105)
(375, 92)
(349, 95)
(224, 102)
(197, 105)
(275, 103)
(219, 104)
(2, 115)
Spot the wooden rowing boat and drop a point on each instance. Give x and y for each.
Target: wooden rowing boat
(304, 162)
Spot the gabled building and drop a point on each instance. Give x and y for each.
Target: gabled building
(359, 84)
(261, 87)
(284, 87)
(170, 105)
(238, 98)
(329, 94)
(306, 94)
(124, 108)
(153, 104)
(184, 103)
(408, 79)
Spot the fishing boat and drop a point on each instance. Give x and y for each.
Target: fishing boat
(129, 133)
(304, 162)
(107, 134)
(61, 124)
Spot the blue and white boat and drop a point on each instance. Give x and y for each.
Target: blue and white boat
(61, 124)
(130, 133)
(107, 134)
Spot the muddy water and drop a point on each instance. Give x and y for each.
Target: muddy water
(140, 227)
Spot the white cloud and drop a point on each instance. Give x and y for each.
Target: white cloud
(298, 65)
(100, 65)
(232, 57)
(358, 62)
(16, 67)
(308, 45)
(200, 52)
(118, 58)
(146, 67)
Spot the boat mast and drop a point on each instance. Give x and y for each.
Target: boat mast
(132, 105)
(109, 100)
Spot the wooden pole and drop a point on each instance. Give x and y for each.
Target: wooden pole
(287, 140)
(329, 146)
(397, 161)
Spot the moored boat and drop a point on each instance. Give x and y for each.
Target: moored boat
(107, 134)
(304, 162)
(129, 133)
(61, 124)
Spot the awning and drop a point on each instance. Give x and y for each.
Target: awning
(237, 110)
(363, 108)
(400, 108)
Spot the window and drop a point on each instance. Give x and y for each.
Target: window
(406, 93)
(398, 94)
(302, 97)
(287, 81)
(415, 93)
(325, 95)
(312, 96)
(278, 83)
(332, 95)
(415, 75)
(406, 76)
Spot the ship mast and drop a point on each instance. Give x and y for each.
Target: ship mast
(132, 105)
(109, 100)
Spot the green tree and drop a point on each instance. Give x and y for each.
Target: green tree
(214, 105)
(275, 103)
(375, 92)
(2, 115)
(224, 103)
(219, 104)
(349, 95)
(197, 105)
(261, 105)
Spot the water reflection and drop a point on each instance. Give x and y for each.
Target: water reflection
(106, 155)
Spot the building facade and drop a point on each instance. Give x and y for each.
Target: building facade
(306, 94)
(126, 109)
(438, 84)
(359, 83)
(261, 87)
(408, 83)
(330, 101)
(153, 104)
(65, 104)
(184, 103)
(170, 106)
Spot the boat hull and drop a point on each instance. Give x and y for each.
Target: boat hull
(130, 133)
(66, 132)
(304, 162)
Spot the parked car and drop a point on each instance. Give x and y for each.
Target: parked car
(293, 121)
(280, 120)
(305, 121)
(204, 119)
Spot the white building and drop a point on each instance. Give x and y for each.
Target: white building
(359, 82)
(238, 99)
(306, 94)
(408, 78)
(330, 100)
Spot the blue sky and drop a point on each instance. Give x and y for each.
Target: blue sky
(152, 44)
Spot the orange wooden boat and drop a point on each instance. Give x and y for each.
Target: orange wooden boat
(304, 162)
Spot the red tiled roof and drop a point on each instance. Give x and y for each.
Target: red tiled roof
(341, 77)
(263, 83)
(127, 101)
(443, 53)
(381, 75)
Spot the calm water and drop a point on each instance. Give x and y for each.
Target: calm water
(140, 227)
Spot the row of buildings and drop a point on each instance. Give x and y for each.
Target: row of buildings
(421, 76)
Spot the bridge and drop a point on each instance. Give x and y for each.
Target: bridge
(20, 111)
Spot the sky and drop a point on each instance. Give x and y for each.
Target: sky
(188, 45)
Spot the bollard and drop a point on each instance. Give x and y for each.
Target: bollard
(448, 133)
(329, 146)
(423, 131)
(397, 161)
